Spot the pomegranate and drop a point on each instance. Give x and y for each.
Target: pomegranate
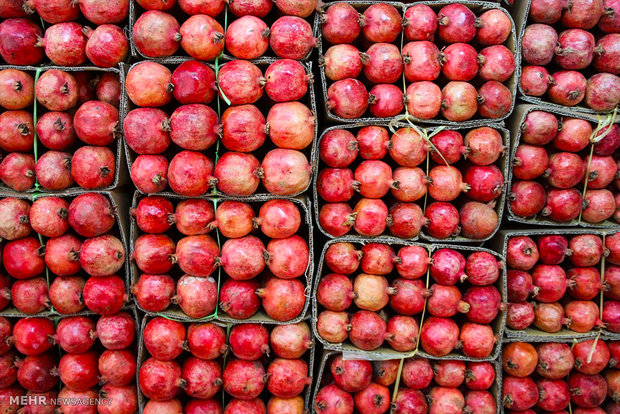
(602, 171)
(575, 49)
(30, 296)
(385, 372)
(479, 375)
(496, 63)
(599, 205)
(587, 250)
(107, 45)
(291, 38)
(246, 176)
(409, 401)
(17, 131)
(156, 34)
(445, 301)
(368, 330)
(574, 135)
(335, 292)
(520, 285)
(519, 393)
(243, 128)
(591, 356)
(149, 173)
(247, 37)
(449, 146)
(484, 304)
(562, 205)
(333, 326)
(382, 63)
(412, 184)
(338, 148)
(291, 341)
(96, 123)
(494, 99)
(568, 88)
(57, 90)
(278, 219)
(79, 371)
(153, 214)
(539, 44)
(196, 295)
(408, 148)
(55, 130)
(301, 9)
(206, 341)
(483, 146)
(587, 391)
(439, 336)
(374, 397)
(341, 62)
(168, 406)
(244, 379)
(330, 218)
(282, 300)
(286, 80)
(529, 161)
(93, 167)
(191, 173)
(494, 27)
(198, 28)
(15, 215)
(91, 215)
(602, 92)
(18, 89)
(194, 82)
(23, 258)
(535, 80)
(347, 98)
(102, 256)
(331, 399)
(149, 84)
(519, 359)
(17, 171)
(64, 44)
(459, 62)
(417, 373)
(238, 300)
(546, 11)
(582, 315)
(291, 125)
(458, 101)
(286, 172)
(164, 338)
(203, 378)
(75, 334)
(287, 377)
(381, 23)
(456, 23)
(549, 317)
(19, 39)
(160, 380)
(243, 258)
(343, 258)
(606, 54)
(184, 123)
(527, 198)
(478, 341)
(449, 373)
(340, 23)
(539, 128)
(117, 367)
(423, 99)
(420, 23)
(610, 309)
(351, 375)
(36, 372)
(385, 100)
(443, 220)
(31, 335)
(53, 170)
(62, 255)
(555, 360)
(104, 295)
(65, 294)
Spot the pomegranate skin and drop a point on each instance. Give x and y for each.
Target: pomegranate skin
(288, 377)
(539, 43)
(574, 135)
(368, 330)
(65, 294)
(371, 217)
(588, 391)
(599, 205)
(478, 220)
(149, 84)
(610, 316)
(104, 295)
(149, 173)
(30, 296)
(340, 23)
(17, 131)
(420, 23)
(196, 295)
(562, 205)
(333, 326)
(535, 80)
(335, 292)
(237, 174)
(247, 38)
(279, 219)
(291, 125)
(291, 341)
(286, 80)
(423, 99)
(17, 171)
(458, 101)
(206, 340)
(22, 258)
(15, 222)
(519, 393)
(494, 27)
(190, 173)
(18, 46)
(443, 220)
(156, 34)
(93, 167)
(341, 62)
(202, 37)
(18, 89)
(569, 88)
(439, 336)
(64, 44)
(159, 380)
(456, 23)
(381, 23)
(450, 145)
(286, 172)
(460, 62)
(607, 53)
(527, 198)
(282, 300)
(575, 49)
(244, 379)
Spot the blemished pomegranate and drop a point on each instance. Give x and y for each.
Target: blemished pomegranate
(243, 258)
(494, 100)
(116, 331)
(164, 338)
(102, 255)
(17, 171)
(599, 205)
(519, 359)
(485, 302)
(16, 221)
(146, 130)
(420, 23)
(53, 170)
(30, 296)
(351, 375)
(587, 391)
(602, 92)
(417, 373)
(424, 99)
(244, 379)
(555, 360)
(237, 173)
(287, 377)
(285, 171)
(539, 42)
(569, 88)
(18, 89)
(550, 317)
(575, 49)
(196, 295)
(331, 399)
(333, 326)
(479, 375)
(586, 250)
(65, 294)
(409, 401)
(203, 378)
(535, 80)
(184, 130)
(291, 38)
(459, 101)
(526, 198)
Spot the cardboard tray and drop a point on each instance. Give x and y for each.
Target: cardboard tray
(324, 376)
(225, 19)
(517, 120)
(385, 351)
(174, 312)
(500, 244)
(521, 11)
(219, 105)
(120, 203)
(478, 7)
(502, 163)
(120, 175)
(221, 396)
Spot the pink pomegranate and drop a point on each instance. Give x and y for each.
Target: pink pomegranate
(591, 356)
(117, 367)
(160, 380)
(382, 63)
(575, 49)
(291, 38)
(439, 336)
(301, 9)
(17, 131)
(30, 296)
(539, 43)
(196, 295)
(18, 89)
(485, 302)
(278, 219)
(195, 30)
(568, 89)
(602, 92)
(494, 99)
(247, 37)
(409, 401)
(184, 123)
(96, 123)
(574, 135)
(341, 62)
(496, 63)
(287, 377)
(449, 373)
(420, 23)
(55, 130)
(203, 378)
(588, 391)
(65, 294)
(459, 101)
(243, 128)
(244, 379)
(291, 341)
(599, 205)
(62, 255)
(478, 341)
(291, 125)
(331, 399)
(149, 84)
(607, 53)
(156, 34)
(381, 23)
(347, 98)
(286, 80)
(527, 198)
(23, 258)
(16, 223)
(456, 23)
(36, 372)
(449, 146)
(417, 373)
(247, 174)
(149, 173)
(587, 250)
(340, 24)
(53, 170)
(64, 44)
(546, 11)
(479, 375)
(93, 167)
(494, 27)
(333, 326)
(459, 62)
(602, 171)
(424, 99)
(445, 301)
(57, 90)
(286, 171)
(116, 331)
(520, 285)
(478, 220)
(385, 100)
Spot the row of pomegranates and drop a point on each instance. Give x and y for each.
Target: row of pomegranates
(78, 364)
(398, 194)
(564, 169)
(562, 43)
(443, 302)
(475, 79)
(559, 280)
(62, 255)
(77, 129)
(187, 367)
(250, 255)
